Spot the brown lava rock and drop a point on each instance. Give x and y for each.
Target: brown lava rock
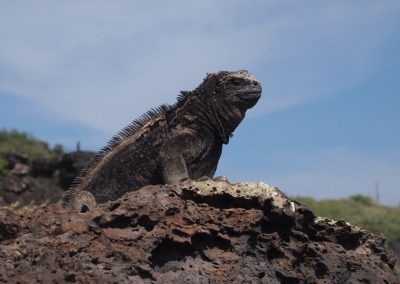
(190, 232)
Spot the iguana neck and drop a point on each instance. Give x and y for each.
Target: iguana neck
(219, 123)
(210, 117)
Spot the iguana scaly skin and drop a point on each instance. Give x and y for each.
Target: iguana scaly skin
(170, 143)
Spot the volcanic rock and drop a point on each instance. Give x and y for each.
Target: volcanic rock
(20, 170)
(190, 232)
(41, 180)
(70, 165)
(14, 158)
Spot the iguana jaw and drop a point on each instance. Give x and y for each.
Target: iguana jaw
(251, 94)
(247, 98)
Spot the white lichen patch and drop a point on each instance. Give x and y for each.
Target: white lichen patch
(244, 190)
(334, 222)
(292, 206)
(326, 220)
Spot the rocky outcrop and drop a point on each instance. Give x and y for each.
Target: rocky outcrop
(42, 180)
(70, 165)
(190, 232)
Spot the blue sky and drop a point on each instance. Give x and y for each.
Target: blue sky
(327, 125)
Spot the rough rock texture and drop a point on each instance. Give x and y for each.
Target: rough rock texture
(39, 181)
(190, 232)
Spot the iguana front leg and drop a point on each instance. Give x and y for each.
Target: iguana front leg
(175, 154)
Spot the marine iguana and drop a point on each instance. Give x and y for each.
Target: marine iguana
(169, 143)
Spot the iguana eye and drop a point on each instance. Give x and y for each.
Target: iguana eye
(236, 81)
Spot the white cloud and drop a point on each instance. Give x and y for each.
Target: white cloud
(102, 63)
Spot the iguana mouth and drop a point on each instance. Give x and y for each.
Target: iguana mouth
(249, 96)
(252, 91)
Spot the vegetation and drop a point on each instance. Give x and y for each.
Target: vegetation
(26, 145)
(361, 211)
(30, 208)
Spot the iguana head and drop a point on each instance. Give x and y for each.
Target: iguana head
(228, 96)
(239, 88)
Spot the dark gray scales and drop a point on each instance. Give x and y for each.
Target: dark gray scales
(170, 143)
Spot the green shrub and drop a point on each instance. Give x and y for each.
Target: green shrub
(30, 208)
(26, 145)
(366, 200)
(23, 144)
(58, 149)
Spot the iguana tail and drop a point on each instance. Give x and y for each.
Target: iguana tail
(79, 200)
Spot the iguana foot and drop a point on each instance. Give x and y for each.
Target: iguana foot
(222, 178)
(203, 178)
